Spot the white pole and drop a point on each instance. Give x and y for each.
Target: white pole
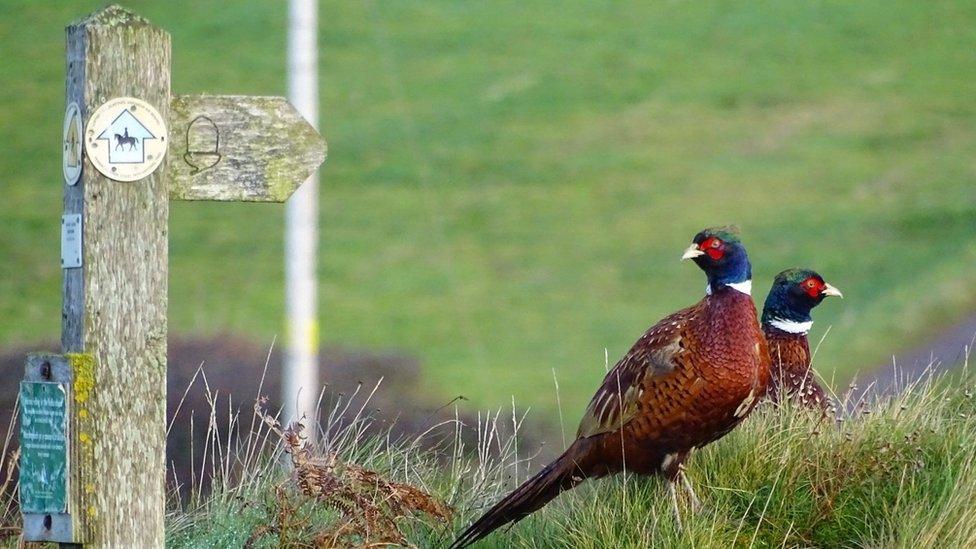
(300, 384)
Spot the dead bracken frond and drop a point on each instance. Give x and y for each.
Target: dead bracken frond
(371, 507)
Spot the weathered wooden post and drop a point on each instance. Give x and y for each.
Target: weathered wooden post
(94, 418)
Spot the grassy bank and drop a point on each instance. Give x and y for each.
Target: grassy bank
(510, 184)
(898, 472)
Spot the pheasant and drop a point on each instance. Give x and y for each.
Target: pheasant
(786, 321)
(688, 381)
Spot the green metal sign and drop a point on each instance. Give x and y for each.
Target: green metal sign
(44, 447)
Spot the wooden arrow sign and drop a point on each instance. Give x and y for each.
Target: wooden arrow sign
(239, 148)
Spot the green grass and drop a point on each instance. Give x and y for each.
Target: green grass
(510, 184)
(898, 473)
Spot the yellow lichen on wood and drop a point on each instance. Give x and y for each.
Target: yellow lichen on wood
(83, 368)
(276, 174)
(83, 389)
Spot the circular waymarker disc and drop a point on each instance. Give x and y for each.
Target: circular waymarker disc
(71, 144)
(126, 139)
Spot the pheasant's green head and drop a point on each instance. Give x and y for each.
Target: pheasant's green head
(720, 253)
(794, 294)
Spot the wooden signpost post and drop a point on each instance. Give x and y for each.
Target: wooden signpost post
(94, 419)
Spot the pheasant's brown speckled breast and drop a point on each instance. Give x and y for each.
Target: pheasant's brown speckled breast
(790, 369)
(720, 375)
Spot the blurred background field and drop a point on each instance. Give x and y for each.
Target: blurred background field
(510, 184)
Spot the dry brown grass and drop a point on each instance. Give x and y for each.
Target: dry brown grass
(371, 507)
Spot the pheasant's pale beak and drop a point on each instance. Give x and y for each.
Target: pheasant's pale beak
(692, 252)
(830, 290)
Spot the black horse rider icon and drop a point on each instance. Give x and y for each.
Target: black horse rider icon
(125, 140)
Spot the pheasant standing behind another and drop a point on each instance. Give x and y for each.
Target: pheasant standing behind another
(689, 380)
(786, 321)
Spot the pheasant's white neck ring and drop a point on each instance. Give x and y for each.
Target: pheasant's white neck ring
(791, 326)
(744, 287)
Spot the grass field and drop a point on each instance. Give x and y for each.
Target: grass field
(510, 184)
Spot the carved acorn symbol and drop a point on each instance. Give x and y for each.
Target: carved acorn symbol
(202, 144)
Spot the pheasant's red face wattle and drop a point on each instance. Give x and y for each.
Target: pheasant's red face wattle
(812, 286)
(713, 247)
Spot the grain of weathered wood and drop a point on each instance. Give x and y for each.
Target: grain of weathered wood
(241, 148)
(115, 305)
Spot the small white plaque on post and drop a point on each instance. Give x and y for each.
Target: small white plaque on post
(70, 241)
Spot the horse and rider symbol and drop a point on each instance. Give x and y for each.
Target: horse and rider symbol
(128, 134)
(125, 139)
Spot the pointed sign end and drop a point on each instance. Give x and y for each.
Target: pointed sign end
(294, 175)
(312, 152)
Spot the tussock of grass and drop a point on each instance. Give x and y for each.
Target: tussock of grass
(900, 475)
(369, 504)
(354, 486)
(895, 472)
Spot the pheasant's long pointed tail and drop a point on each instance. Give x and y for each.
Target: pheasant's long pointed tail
(562, 474)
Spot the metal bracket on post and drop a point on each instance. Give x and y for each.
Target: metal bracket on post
(45, 459)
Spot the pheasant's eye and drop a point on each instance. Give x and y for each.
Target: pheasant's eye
(713, 247)
(812, 286)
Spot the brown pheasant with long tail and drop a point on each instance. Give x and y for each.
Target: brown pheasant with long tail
(688, 381)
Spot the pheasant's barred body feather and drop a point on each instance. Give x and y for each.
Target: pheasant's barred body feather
(791, 372)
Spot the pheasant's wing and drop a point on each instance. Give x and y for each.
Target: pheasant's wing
(655, 354)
